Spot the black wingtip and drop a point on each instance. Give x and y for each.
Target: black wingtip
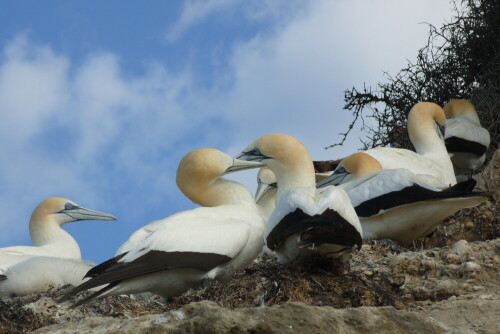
(3, 278)
(460, 145)
(464, 186)
(96, 294)
(342, 233)
(99, 269)
(329, 227)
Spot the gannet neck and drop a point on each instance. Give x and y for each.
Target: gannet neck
(289, 160)
(422, 129)
(50, 215)
(225, 192)
(45, 230)
(361, 164)
(199, 177)
(459, 107)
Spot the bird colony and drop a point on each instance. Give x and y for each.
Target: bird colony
(297, 216)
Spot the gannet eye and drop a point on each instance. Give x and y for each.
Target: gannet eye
(441, 129)
(255, 151)
(340, 170)
(68, 206)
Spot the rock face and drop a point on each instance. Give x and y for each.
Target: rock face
(489, 179)
(446, 283)
(208, 317)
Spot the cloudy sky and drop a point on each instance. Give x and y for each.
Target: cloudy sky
(99, 101)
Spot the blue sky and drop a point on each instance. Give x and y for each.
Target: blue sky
(99, 101)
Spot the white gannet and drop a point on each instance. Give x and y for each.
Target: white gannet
(465, 138)
(191, 246)
(426, 127)
(305, 224)
(48, 237)
(41, 273)
(265, 196)
(397, 204)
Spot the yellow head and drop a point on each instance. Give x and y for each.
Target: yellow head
(422, 119)
(459, 107)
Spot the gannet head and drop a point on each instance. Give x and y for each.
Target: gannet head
(423, 115)
(266, 182)
(351, 168)
(63, 211)
(199, 168)
(282, 154)
(461, 107)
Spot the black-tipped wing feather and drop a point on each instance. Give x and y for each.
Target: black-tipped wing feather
(413, 194)
(153, 261)
(328, 227)
(460, 145)
(103, 267)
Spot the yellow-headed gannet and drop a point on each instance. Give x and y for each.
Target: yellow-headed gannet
(265, 196)
(190, 246)
(305, 224)
(46, 232)
(397, 204)
(426, 127)
(465, 138)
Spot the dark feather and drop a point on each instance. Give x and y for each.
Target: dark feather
(3, 278)
(413, 194)
(460, 145)
(328, 227)
(151, 262)
(104, 266)
(94, 295)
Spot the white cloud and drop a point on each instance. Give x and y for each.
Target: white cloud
(194, 12)
(32, 87)
(293, 80)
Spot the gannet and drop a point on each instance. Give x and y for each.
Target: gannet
(426, 127)
(465, 138)
(397, 204)
(46, 232)
(305, 224)
(191, 246)
(265, 196)
(41, 273)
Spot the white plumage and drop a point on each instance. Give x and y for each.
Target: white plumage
(179, 252)
(465, 138)
(304, 224)
(265, 196)
(42, 273)
(425, 124)
(397, 204)
(48, 237)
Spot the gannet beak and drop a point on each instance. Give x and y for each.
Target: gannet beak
(242, 165)
(264, 188)
(442, 128)
(80, 213)
(333, 180)
(253, 155)
(322, 176)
